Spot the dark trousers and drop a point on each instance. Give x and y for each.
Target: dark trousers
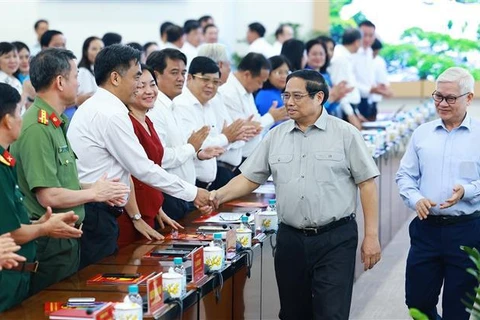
(100, 234)
(434, 259)
(224, 175)
(368, 110)
(176, 208)
(315, 273)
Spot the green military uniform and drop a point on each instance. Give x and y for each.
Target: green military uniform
(13, 284)
(46, 160)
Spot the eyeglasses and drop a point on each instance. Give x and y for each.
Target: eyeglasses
(296, 96)
(206, 80)
(449, 99)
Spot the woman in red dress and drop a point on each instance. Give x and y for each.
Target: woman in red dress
(148, 199)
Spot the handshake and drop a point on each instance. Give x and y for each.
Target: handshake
(206, 201)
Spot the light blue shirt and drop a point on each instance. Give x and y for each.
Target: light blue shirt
(436, 160)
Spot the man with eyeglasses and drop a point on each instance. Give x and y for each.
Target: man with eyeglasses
(318, 162)
(439, 178)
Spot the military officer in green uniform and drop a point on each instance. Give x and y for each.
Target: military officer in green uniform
(14, 282)
(47, 172)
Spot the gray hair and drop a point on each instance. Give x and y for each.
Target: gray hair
(460, 76)
(47, 65)
(215, 51)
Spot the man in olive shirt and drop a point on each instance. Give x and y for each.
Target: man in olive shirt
(14, 282)
(47, 171)
(317, 162)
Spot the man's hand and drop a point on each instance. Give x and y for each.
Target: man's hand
(214, 201)
(234, 132)
(109, 190)
(278, 114)
(339, 91)
(202, 198)
(8, 257)
(198, 137)
(60, 225)
(163, 219)
(210, 152)
(370, 251)
(147, 231)
(458, 192)
(423, 206)
(254, 128)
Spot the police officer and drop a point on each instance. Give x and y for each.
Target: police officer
(47, 172)
(14, 217)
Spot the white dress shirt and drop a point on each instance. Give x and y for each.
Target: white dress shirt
(241, 105)
(341, 69)
(262, 46)
(86, 81)
(364, 70)
(102, 136)
(12, 81)
(277, 48)
(178, 155)
(192, 116)
(190, 51)
(381, 77)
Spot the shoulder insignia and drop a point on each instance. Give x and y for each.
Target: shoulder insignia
(7, 159)
(55, 120)
(42, 117)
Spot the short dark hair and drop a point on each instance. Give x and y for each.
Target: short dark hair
(20, 46)
(314, 82)
(293, 50)
(6, 47)
(84, 62)
(309, 45)
(37, 24)
(203, 65)
(258, 28)
(254, 63)
(377, 44)
(9, 98)
(110, 38)
(148, 44)
(158, 59)
(204, 18)
(164, 26)
(275, 62)
(279, 30)
(324, 38)
(47, 65)
(366, 23)
(190, 25)
(48, 36)
(149, 69)
(208, 26)
(174, 33)
(350, 36)
(135, 45)
(116, 57)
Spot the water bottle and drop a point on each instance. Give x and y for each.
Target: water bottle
(244, 233)
(217, 241)
(180, 269)
(272, 205)
(135, 298)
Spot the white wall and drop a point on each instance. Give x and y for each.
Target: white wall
(139, 21)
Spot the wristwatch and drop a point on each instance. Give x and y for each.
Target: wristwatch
(136, 217)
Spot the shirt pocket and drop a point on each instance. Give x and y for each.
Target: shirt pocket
(281, 166)
(65, 168)
(326, 164)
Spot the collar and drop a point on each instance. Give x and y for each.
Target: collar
(190, 98)
(47, 114)
(342, 51)
(6, 158)
(320, 123)
(237, 84)
(466, 123)
(112, 99)
(163, 100)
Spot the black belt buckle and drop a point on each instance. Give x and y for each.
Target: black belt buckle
(310, 231)
(116, 211)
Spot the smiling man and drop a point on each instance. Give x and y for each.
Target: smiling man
(318, 162)
(439, 178)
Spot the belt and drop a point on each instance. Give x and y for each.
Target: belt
(226, 165)
(314, 231)
(201, 184)
(449, 220)
(114, 210)
(26, 267)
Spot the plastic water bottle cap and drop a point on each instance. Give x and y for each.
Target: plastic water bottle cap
(217, 236)
(133, 288)
(177, 260)
(272, 201)
(244, 219)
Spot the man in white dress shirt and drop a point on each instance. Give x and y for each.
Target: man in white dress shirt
(163, 34)
(237, 94)
(283, 33)
(104, 141)
(342, 69)
(256, 40)
(193, 37)
(180, 147)
(175, 39)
